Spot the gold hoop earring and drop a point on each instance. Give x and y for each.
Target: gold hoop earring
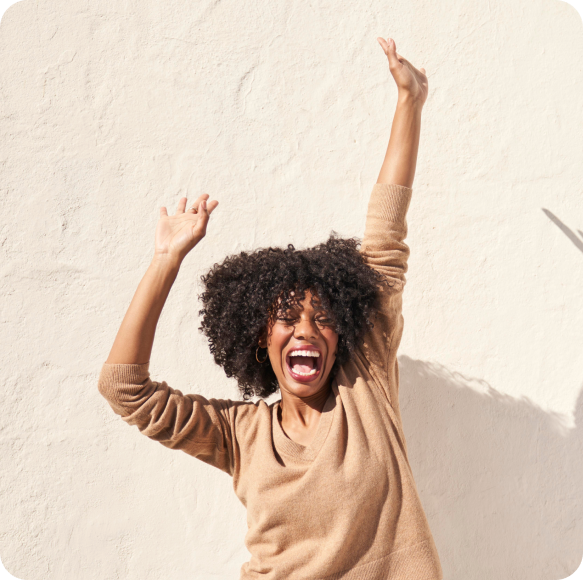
(257, 355)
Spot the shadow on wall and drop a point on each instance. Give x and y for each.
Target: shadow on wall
(500, 478)
(566, 230)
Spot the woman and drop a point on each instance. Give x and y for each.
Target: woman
(323, 472)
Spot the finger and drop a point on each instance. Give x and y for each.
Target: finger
(422, 70)
(392, 54)
(383, 44)
(212, 206)
(203, 218)
(181, 205)
(196, 204)
(194, 207)
(163, 212)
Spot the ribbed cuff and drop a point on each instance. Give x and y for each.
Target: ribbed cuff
(391, 201)
(127, 373)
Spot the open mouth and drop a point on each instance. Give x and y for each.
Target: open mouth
(304, 364)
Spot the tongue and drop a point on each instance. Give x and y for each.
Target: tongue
(302, 364)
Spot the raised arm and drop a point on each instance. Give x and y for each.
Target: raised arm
(191, 423)
(383, 245)
(386, 225)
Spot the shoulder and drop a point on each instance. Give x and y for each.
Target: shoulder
(364, 378)
(247, 418)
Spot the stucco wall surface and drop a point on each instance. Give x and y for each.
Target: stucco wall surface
(282, 111)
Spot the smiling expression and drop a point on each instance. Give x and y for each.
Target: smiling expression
(301, 344)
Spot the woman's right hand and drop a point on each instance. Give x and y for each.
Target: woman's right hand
(176, 235)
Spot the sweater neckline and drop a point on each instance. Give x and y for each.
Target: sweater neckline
(284, 444)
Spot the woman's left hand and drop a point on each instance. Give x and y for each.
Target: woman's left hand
(410, 81)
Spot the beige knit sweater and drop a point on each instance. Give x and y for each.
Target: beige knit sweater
(344, 507)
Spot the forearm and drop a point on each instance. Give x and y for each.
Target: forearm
(135, 338)
(401, 158)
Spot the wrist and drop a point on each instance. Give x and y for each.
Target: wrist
(406, 99)
(166, 263)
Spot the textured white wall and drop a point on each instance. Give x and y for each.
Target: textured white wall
(282, 111)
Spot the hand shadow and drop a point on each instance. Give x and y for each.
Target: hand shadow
(499, 477)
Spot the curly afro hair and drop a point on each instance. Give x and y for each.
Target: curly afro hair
(240, 297)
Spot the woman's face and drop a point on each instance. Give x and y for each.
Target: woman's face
(301, 344)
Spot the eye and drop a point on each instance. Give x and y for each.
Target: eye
(325, 321)
(285, 318)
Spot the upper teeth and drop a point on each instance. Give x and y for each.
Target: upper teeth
(304, 353)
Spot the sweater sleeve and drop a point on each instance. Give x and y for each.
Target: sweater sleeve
(384, 249)
(191, 423)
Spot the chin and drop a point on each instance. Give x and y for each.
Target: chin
(305, 389)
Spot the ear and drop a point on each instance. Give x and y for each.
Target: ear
(262, 342)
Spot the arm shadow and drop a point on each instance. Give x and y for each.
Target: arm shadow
(566, 230)
(500, 478)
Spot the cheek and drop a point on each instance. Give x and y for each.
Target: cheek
(277, 341)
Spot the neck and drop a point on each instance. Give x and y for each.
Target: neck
(303, 410)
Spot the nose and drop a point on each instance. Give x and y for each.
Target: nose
(306, 329)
